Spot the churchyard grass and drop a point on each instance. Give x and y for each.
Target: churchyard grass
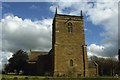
(22, 77)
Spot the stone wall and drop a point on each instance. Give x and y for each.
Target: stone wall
(92, 72)
(68, 46)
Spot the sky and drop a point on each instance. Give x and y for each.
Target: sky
(28, 25)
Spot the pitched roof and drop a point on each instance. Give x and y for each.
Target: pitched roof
(91, 64)
(34, 55)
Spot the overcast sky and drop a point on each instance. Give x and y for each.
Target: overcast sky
(28, 25)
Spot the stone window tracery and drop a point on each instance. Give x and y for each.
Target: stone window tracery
(70, 28)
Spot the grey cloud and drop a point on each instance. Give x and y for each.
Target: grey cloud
(25, 34)
(104, 14)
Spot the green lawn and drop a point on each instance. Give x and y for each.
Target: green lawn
(14, 77)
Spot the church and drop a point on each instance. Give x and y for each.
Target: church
(68, 56)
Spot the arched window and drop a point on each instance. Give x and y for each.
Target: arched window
(71, 62)
(69, 24)
(70, 29)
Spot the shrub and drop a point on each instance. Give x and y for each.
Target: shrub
(15, 78)
(26, 78)
(3, 79)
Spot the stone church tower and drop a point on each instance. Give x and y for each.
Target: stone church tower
(69, 48)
